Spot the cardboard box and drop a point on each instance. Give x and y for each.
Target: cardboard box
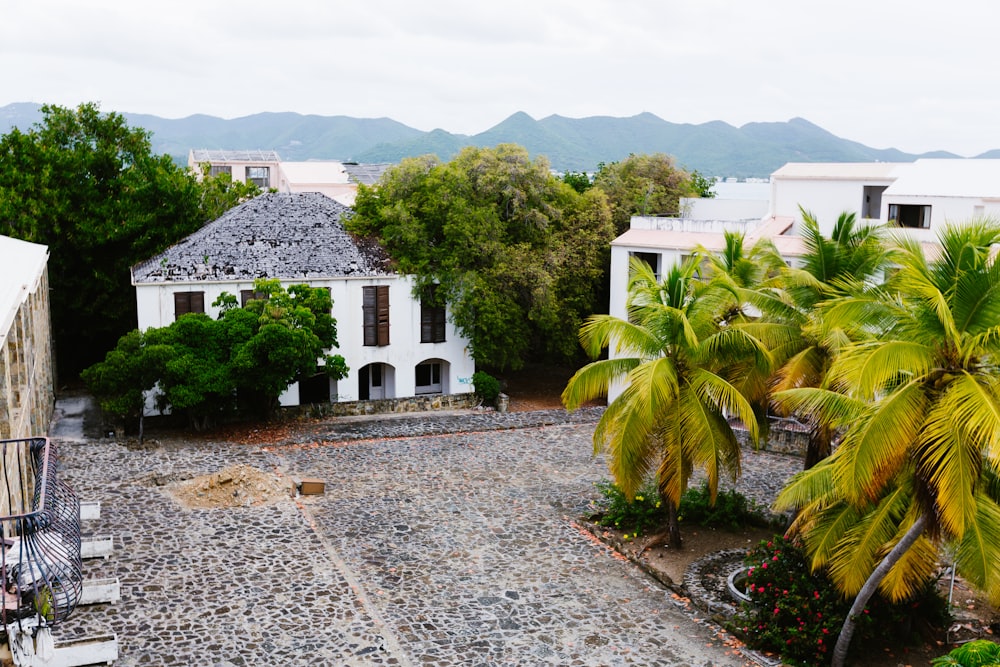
(312, 487)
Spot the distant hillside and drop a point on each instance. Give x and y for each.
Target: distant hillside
(578, 144)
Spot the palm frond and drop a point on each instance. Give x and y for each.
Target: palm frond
(874, 450)
(824, 539)
(949, 458)
(592, 381)
(913, 570)
(807, 486)
(868, 369)
(822, 405)
(977, 554)
(867, 540)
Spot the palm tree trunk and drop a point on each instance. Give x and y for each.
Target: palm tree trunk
(871, 585)
(673, 525)
(820, 439)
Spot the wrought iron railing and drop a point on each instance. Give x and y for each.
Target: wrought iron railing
(42, 575)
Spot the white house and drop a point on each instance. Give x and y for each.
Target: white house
(335, 179)
(919, 197)
(395, 345)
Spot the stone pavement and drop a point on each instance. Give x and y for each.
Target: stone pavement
(440, 540)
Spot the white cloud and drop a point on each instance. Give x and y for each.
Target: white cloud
(890, 73)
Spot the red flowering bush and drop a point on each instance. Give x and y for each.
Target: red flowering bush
(798, 614)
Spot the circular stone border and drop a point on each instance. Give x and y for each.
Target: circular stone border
(720, 563)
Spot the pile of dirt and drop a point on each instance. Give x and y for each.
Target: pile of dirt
(236, 486)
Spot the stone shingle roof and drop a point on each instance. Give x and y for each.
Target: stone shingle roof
(275, 235)
(367, 174)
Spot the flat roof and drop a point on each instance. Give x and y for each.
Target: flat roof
(315, 171)
(959, 177)
(839, 170)
(21, 266)
(201, 155)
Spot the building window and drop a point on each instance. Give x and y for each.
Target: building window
(215, 170)
(259, 176)
(429, 378)
(871, 205)
(188, 302)
(432, 318)
(250, 295)
(910, 215)
(375, 315)
(652, 260)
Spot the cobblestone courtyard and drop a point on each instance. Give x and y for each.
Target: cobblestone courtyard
(440, 540)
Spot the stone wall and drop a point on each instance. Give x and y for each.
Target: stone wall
(26, 366)
(784, 438)
(386, 405)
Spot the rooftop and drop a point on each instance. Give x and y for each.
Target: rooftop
(200, 155)
(21, 265)
(276, 235)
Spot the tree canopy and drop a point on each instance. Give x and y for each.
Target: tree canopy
(208, 368)
(516, 253)
(645, 185)
(89, 187)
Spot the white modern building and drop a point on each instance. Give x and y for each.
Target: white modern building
(337, 180)
(395, 345)
(919, 197)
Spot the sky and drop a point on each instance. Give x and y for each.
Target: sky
(913, 75)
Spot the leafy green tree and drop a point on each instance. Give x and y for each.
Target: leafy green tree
(919, 406)
(675, 361)
(643, 185)
(517, 254)
(89, 187)
(703, 185)
(209, 368)
(579, 181)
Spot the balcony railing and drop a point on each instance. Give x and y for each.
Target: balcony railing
(40, 521)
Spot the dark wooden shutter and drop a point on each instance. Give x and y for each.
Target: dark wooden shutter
(382, 312)
(375, 311)
(432, 319)
(369, 319)
(188, 302)
(197, 302)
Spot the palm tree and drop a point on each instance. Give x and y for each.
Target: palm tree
(791, 324)
(672, 416)
(919, 406)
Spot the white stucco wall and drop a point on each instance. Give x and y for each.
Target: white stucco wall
(155, 304)
(825, 199)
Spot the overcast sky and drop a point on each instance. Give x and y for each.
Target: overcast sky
(914, 75)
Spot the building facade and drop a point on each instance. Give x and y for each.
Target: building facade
(27, 363)
(395, 344)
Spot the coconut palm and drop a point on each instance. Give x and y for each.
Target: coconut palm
(791, 323)
(672, 416)
(919, 406)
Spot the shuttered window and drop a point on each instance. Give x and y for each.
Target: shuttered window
(432, 319)
(376, 315)
(188, 302)
(250, 295)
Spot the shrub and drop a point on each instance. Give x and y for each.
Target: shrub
(977, 653)
(644, 511)
(486, 386)
(731, 510)
(798, 613)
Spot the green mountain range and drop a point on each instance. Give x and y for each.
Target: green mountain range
(576, 144)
